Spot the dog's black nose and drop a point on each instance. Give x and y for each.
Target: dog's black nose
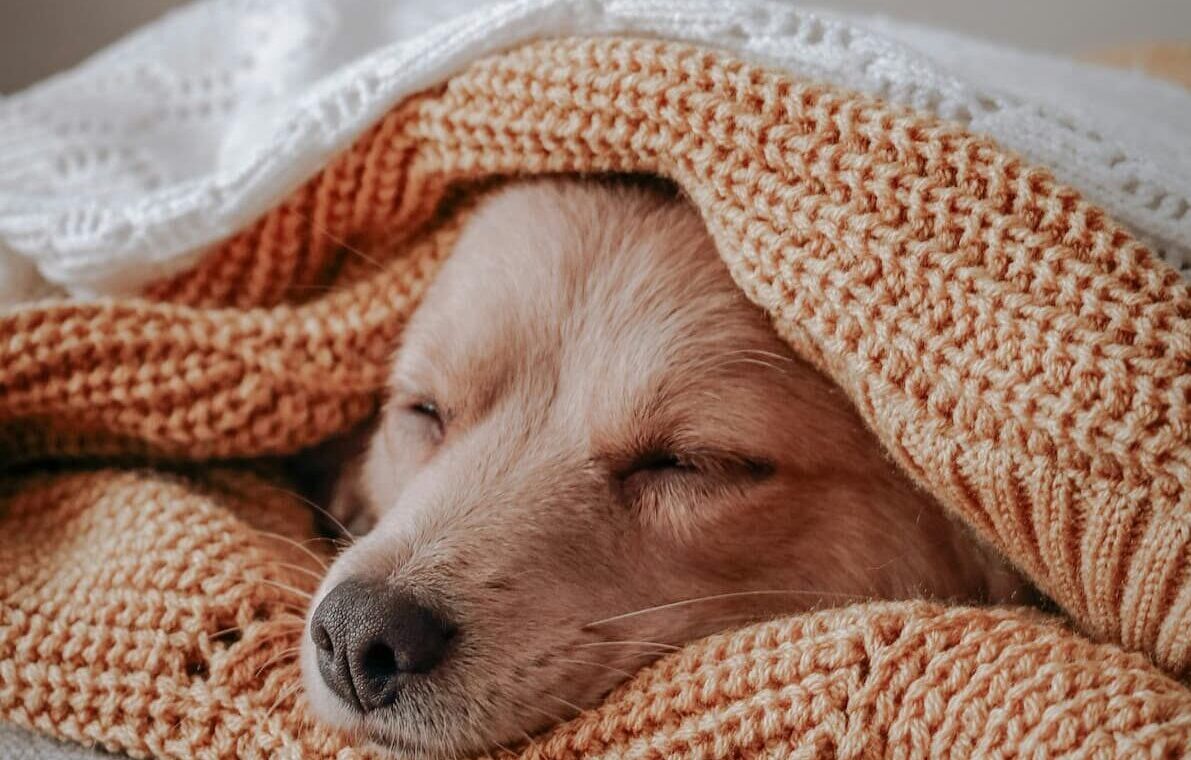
(369, 637)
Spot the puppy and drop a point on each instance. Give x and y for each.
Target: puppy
(595, 449)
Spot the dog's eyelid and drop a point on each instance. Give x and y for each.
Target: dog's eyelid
(412, 399)
(426, 407)
(661, 460)
(430, 410)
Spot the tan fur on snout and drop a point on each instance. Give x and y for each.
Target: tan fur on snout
(628, 459)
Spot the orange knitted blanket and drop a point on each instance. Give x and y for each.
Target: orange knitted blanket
(1016, 351)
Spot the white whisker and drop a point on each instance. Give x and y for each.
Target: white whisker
(320, 510)
(528, 739)
(658, 644)
(553, 716)
(759, 352)
(296, 544)
(720, 597)
(589, 663)
(281, 656)
(339, 241)
(285, 694)
(560, 700)
(305, 596)
(290, 566)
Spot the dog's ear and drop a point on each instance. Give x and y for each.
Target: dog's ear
(328, 474)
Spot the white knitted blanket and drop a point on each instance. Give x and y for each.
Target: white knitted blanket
(124, 169)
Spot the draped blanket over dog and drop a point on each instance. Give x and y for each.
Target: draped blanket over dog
(1017, 352)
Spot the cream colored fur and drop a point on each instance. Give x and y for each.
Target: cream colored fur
(621, 430)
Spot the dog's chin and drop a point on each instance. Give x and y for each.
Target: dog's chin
(380, 729)
(406, 749)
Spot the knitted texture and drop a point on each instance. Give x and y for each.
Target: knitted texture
(1017, 352)
(176, 648)
(127, 168)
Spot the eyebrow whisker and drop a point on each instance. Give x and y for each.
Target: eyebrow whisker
(320, 510)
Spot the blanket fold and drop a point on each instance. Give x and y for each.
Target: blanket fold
(1017, 352)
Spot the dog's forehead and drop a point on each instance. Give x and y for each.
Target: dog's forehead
(604, 291)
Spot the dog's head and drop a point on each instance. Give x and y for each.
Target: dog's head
(594, 449)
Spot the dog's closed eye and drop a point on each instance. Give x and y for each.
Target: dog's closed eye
(428, 413)
(657, 461)
(660, 469)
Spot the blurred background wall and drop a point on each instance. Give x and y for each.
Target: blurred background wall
(39, 37)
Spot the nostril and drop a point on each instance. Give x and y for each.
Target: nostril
(322, 639)
(380, 663)
(418, 637)
(371, 640)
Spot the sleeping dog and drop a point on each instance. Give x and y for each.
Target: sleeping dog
(595, 449)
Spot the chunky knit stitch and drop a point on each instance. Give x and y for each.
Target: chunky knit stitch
(124, 169)
(1017, 352)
